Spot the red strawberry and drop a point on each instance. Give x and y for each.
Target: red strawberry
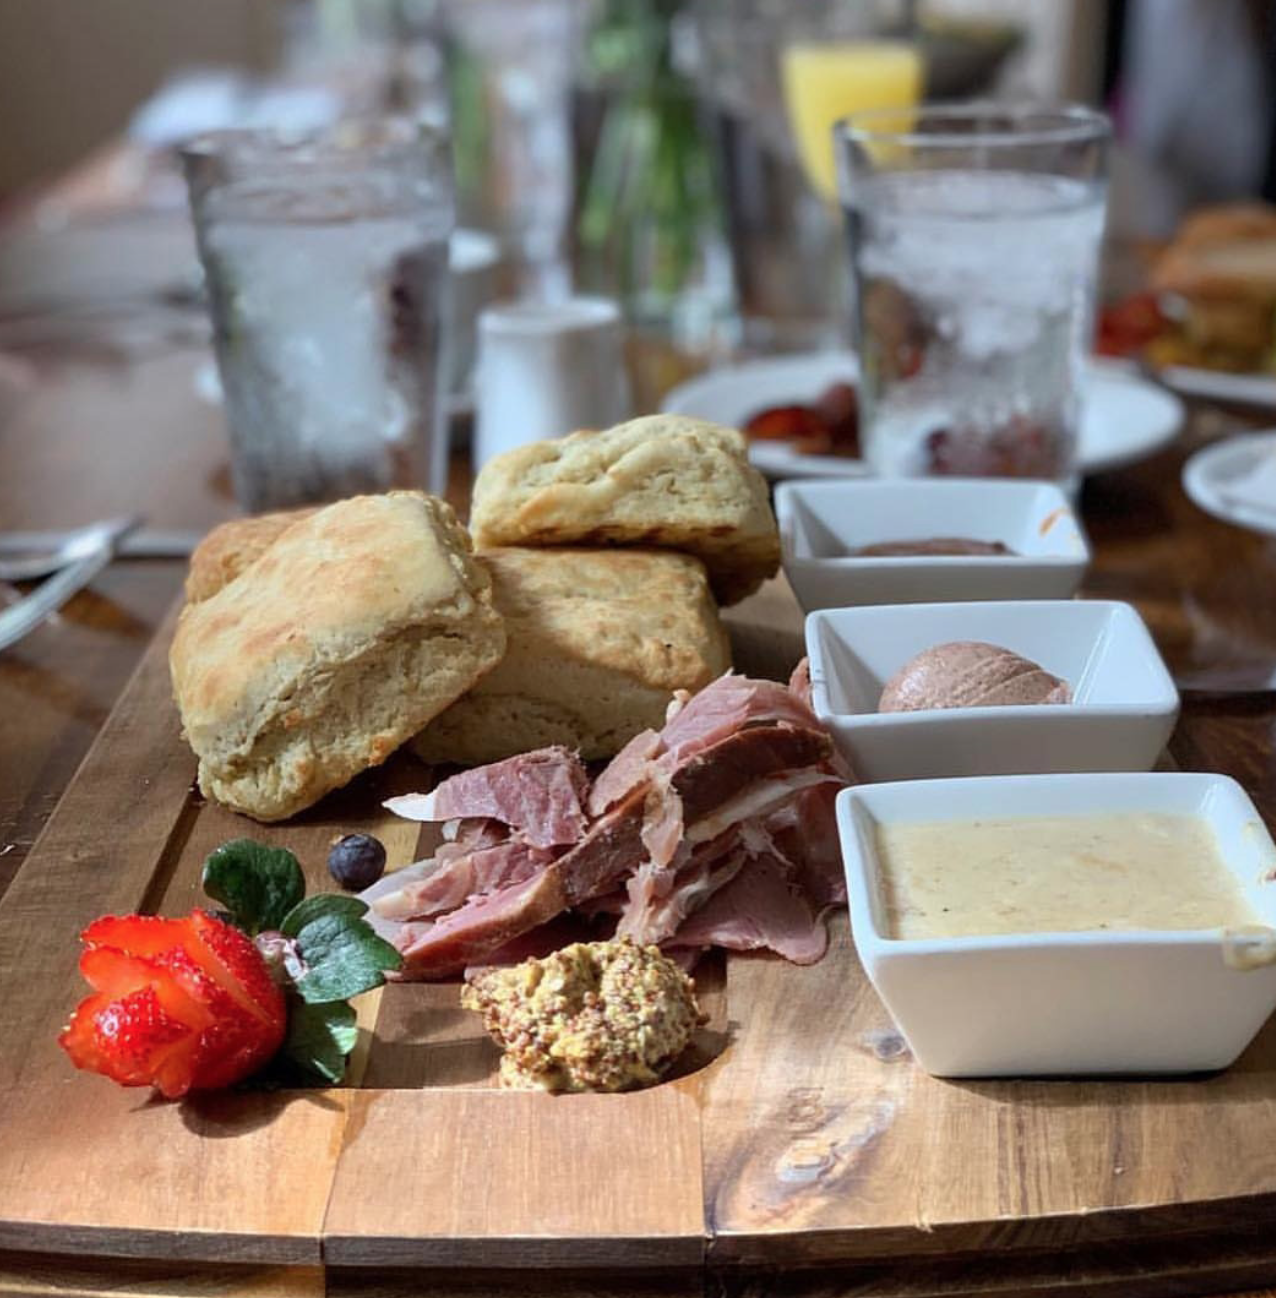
(181, 1004)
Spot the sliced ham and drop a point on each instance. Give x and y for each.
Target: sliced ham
(716, 831)
(468, 935)
(723, 771)
(453, 880)
(728, 705)
(613, 848)
(760, 909)
(744, 775)
(538, 793)
(800, 683)
(758, 800)
(662, 826)
(658, 901)
(625, 772)
(606, 855)
(717, 712)
(805, 831)
(462, 836)
(444, 947)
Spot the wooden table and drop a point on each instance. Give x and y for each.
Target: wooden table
(91, 433)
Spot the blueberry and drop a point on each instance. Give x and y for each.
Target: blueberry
(356, 861)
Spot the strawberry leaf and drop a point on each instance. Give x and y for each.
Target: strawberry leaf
(257, 884)
(339, 954)
(319, 1040)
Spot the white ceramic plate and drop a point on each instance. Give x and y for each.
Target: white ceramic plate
(1124, 418)
(1207, 474)
(1218, 385)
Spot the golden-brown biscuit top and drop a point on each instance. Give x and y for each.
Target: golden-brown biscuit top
(647, 614)
(664, 481)
(329, 589)
(231, 546)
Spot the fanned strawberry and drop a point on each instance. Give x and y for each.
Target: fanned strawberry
(181, 1004)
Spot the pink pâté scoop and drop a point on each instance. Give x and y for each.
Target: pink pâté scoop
(970, 674)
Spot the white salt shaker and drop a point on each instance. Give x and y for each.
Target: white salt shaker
(546, 369)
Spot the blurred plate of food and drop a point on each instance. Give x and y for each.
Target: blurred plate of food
(1235, 480)
(801, 414)
(1206, 322)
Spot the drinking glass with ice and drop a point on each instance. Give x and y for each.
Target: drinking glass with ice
(325, 257)
(974, 236)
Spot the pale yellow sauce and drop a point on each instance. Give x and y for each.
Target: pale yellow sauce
(1056, 874)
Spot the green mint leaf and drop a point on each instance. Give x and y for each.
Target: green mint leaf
(337, 904)
(319, 1040)
(257, 884)
(340, 955)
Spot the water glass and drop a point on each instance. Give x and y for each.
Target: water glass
(974, 236)
(326, 260)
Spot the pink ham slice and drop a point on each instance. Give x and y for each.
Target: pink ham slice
(611, 851)
(538, 793)
(662, 826)
(483, 925)
(800, 683)
(658, 901)
(717, 774)
(461, 837)
(760, 909)
(730, 704)
(660, 897)
(625, 772)
(716, 713)
(805, 831)
(455, 879)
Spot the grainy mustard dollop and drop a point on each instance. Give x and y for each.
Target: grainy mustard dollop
(595, 1016)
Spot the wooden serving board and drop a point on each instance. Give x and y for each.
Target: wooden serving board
(807, 1154)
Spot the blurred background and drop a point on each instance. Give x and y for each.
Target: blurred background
(665, 153)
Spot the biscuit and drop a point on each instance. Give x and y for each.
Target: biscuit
(598, 642)
(664, 481)
(359, 625)
(230, 547)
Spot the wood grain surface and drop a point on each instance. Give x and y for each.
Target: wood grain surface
(812, 1140)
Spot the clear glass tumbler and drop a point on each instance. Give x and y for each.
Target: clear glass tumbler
(326, 260)
(974, 235)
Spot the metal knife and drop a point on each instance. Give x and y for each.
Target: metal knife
(24, 616)
(145, 543)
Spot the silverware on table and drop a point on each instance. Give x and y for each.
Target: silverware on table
(26, 556)
(24, 616)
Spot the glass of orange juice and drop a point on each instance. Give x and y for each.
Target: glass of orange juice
(825, 81)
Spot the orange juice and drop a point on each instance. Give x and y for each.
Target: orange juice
(825, 82)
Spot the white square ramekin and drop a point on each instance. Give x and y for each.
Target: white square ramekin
(1033, 1004)
(1124, 701)
(822, 523)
